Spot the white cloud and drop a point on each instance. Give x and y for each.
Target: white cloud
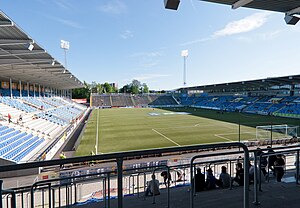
(197, 41)
(64, 4)
(126, 34)
(246, 24)
(144, 77)
(149, 64)
(69, 23)
(113, 7)
(66, 22)
(152, 54)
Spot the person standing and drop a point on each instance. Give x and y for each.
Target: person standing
(167, 178)
(62, 156)
(279, 167)
(9, 118)
(199, 180)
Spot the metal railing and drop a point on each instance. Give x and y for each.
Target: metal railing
(50, 190)
(118, 158)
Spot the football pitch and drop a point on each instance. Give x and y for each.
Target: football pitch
(125, 129)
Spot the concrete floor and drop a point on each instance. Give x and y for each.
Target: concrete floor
(273, 195)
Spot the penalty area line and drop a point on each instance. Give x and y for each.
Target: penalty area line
(217, 135)
(166, 137)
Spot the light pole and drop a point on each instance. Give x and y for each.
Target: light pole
(97, 132)
(184, 54)
(65, 45)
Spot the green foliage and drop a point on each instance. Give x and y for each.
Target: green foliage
(83, 92)
(135, 87)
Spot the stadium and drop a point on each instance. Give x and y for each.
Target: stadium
(57, 152)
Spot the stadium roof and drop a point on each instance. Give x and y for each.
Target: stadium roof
(21, 58)
(250, 84)
(284, 6)
(289, 7)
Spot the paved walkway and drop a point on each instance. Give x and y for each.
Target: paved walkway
(281, 195)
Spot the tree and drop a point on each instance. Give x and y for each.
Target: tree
(135, 86)
(108, 88)
(83, 92)
(145, 88)
(125, 89)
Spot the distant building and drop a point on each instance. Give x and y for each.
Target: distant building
(114, 85)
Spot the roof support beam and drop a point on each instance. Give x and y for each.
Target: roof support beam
(240, 3)
(6, 23)
(20, 54)
(294, 11)
(8, 42)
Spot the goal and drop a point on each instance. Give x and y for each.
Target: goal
(276, 131)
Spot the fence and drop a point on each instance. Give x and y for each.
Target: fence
(63, 192)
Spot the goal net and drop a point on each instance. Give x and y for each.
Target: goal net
(276, 131)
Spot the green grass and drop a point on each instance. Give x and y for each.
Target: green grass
(132, 129)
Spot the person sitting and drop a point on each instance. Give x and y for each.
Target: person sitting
(152, 187)
(166, 177)
(224, 179)
(239, 174)
(199, 180)
(210, 182)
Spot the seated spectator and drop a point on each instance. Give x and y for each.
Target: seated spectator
(210, 182)
(279, 167)
(152, 187)
(239, 174)
(199, 180)
(166, 177)
(224, 179)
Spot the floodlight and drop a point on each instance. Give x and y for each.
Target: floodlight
(291, 20)
(172, 4)
(53, 63)
(30, 46)
(64, 71)
(71, 76)
(65, 44)
(184, 53)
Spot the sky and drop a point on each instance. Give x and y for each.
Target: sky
(121, 40)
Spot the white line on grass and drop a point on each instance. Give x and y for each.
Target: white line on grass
(166, 137)
(217, 135)
(236, 133)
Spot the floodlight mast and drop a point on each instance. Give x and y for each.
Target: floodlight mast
(184, 54)
(65, 45)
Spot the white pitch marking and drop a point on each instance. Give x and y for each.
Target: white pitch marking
(166, 137)
(223, 137)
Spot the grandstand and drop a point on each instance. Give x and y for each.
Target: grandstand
(278, 96)
(35, 114)
(128, 100)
